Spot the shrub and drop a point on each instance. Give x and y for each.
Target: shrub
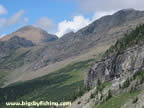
(126, 83)
(133, 89)
(92, 96)
(135, 100)
(98, 82)
(109, 95)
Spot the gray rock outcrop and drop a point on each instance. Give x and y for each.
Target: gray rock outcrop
(121, 64)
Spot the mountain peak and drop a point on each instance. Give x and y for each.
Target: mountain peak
(32, 33)
(27, 27)
(128, 11)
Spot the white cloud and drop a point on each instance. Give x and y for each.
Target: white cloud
(46, 24)
(77, 23)
(3, 10)
(16, 18)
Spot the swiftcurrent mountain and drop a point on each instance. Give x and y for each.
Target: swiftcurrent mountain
(101, 33)
(35, 65)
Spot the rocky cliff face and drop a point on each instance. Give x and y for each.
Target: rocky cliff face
(122, 64)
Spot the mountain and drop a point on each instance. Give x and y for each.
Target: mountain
(109, 51)
(118, 77)
(102, 32)
(32, 33)
(87, 43)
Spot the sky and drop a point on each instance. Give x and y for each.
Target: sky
(58, 16)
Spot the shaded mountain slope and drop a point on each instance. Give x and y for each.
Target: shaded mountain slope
(6, 47)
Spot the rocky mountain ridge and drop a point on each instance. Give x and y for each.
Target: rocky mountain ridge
(104, 30)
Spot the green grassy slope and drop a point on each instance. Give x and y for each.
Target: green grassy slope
(57, 86)
(118, 101)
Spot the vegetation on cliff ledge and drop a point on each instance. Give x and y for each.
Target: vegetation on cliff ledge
(135, 37)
